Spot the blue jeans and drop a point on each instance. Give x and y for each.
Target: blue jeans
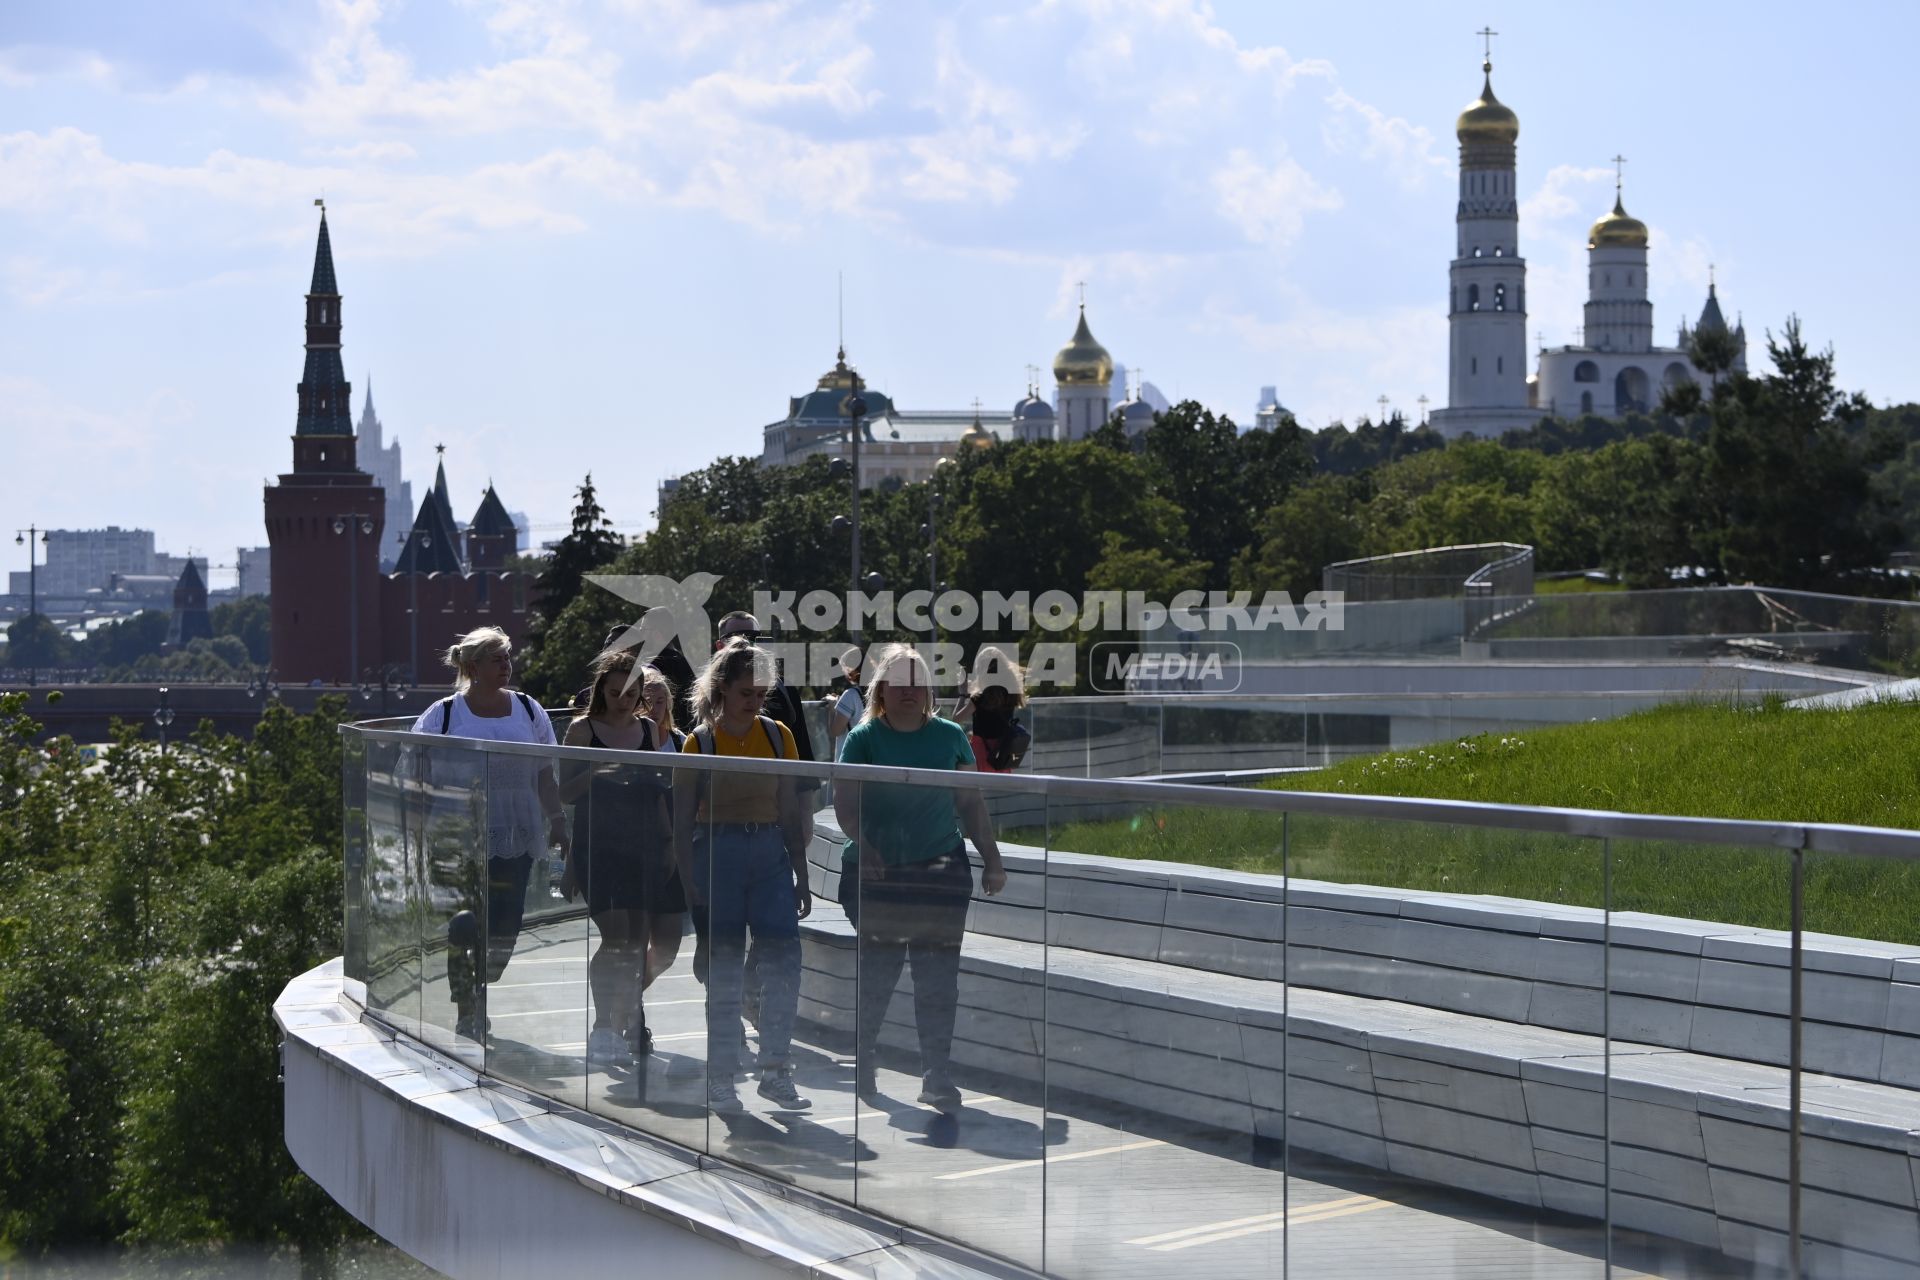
(747, 880)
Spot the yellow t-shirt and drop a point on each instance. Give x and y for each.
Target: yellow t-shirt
(743, 797)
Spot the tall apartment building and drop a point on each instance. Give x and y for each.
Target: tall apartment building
(76, 561)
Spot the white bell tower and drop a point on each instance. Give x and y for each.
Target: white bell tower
(1487, 293)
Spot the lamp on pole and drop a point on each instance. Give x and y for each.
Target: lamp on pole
(353, 524)
(387, 678)
(413, 608)
(263, 680)
(32, 537)
(854, 408)
(163, 716)
(932, 531)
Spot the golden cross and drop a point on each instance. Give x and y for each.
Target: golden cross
(1487, 34)
(1619, 172)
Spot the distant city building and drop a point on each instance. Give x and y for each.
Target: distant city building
(336, 617)
(1124, 377)
(76, 561)
(905, 445)
(1268, 411)
(171, 567)
(1614, 369)
(253, 571)
(382, 462)
(1136, 414)
(901, 445)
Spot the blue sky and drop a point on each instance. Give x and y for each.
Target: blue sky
(605, 236)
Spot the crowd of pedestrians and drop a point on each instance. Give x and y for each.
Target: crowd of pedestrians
(653, 849)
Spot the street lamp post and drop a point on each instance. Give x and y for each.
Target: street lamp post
(388, 679)
(856, 410)
(263, 680)
(352, 524)
(413, 609)
(932, 530)
(163, 716)
(31, 537)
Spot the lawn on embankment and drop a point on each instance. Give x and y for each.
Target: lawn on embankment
(1706, 760)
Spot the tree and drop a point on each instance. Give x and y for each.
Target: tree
(1036, 517)
(591, 543)
(1320, 523)
(150, 911)
(250, 618)
(1222, 480)
(33, 641)
(1788, 475)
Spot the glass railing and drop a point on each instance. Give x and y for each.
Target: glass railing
(1198, 1030)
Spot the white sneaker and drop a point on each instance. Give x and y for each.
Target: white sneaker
(606, 1048)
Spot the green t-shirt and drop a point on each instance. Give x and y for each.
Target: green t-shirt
(906, 823)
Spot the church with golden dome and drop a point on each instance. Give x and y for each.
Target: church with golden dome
(900, 445)
(1615, 368)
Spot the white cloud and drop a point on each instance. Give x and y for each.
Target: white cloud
(1566, 192)
(47, 434)
(373, 152)
(1406, 150)
(686, 27)
(33, 280)
(69, 174)
(1269, 205)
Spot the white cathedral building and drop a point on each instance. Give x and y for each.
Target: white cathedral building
(1613, 370)
(905, 445)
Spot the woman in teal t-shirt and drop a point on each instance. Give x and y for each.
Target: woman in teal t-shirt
(905, 879)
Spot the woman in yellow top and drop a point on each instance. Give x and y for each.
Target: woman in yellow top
(741, 841)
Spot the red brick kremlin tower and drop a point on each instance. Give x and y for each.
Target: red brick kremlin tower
(325, 517)
(336, 618)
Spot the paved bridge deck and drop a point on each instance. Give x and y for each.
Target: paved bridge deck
(1079, 1188)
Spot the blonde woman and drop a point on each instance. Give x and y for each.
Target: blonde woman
(523, 812)
(905, 877)
(741, 841)
(656, 701)
(622, 860)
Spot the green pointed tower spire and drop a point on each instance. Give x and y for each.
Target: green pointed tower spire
(326, 398)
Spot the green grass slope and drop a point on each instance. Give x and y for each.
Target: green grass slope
(1769, 762)
(1704, 760)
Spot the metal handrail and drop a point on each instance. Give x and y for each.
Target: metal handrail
(1828, 838)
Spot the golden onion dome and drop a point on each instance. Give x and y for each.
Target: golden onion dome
(838, 378)
(1083, 360)
(1618, 230)
(1487, 119)
(977, 436)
